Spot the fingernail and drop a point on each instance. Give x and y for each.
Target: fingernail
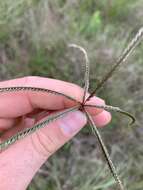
(72, 123)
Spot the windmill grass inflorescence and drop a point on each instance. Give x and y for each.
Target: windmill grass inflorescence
(80, 105)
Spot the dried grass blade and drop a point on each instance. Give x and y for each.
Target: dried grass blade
(31, 130)
(34, 89)
(87, 68)
(131, 46)
(116, 109)
(105, 151)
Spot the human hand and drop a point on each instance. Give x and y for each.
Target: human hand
(19, 110)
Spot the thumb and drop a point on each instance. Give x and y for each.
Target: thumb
(22, 160)
(57, 133)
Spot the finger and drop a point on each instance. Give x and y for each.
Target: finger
(37, 114)
(95, 101)
(6, 123)
(15, 104)
(23, 123)
(27, 155)
(102, 119)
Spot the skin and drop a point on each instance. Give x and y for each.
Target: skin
(20, 162)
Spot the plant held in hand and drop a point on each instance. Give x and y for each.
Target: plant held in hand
(79, 105)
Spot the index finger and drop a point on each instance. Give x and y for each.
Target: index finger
(17, 103)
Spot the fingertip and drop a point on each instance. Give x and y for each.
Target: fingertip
(102, 118)
(97, 102)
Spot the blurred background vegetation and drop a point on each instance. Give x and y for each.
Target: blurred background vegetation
(34, 35)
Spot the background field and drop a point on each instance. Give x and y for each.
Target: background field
(34, 35)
